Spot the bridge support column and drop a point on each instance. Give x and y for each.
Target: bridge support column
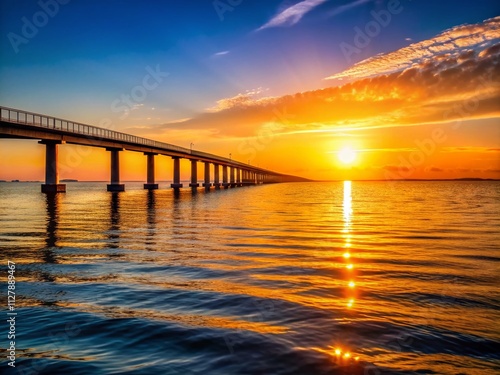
(177, 174)
(52, 184)
(247, 179)
(238, 177)
(224, 177)
(150, 185)
(216, 176)
(207, 183)
(231, 177)
(115, 170)
(194, 174)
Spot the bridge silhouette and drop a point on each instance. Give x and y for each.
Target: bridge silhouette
(52, 132)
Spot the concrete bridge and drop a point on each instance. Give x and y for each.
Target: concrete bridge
(52, 132)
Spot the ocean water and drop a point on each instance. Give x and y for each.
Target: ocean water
(302, 278)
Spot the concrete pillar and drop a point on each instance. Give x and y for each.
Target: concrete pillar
(231, 177)
(194, 174)
(177, 173)
(150, 185)
(216, 176)
(238, 177)
(52, 184)
(207, 183)
(224, 177)
(115, 170)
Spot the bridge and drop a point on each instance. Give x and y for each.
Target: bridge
(52, 132)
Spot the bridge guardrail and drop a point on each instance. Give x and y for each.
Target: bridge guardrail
(42, 121)
(49, 122)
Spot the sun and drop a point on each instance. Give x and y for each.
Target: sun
(347, 155)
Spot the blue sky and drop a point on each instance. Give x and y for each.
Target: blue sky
(88, 55)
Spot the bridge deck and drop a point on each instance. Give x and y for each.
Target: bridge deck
(22, 124)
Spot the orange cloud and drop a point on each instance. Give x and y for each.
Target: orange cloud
(441, 88)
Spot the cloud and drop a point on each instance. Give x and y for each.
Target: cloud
(243, 99)
(453, 43)
(445, 87)
(292, 15)
(221, 53)
(346, 7)
(395, 168)
(434, 169)
(469, 149)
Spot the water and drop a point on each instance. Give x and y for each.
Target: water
(304, 278)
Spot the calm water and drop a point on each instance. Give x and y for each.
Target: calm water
(305, 278)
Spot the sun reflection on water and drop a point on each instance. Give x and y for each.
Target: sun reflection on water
(347, 255)
(341, 354)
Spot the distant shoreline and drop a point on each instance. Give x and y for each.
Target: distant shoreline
(418, 179)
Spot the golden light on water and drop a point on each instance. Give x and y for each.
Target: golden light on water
(348, 212)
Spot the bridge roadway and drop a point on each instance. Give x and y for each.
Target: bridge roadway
(52, 131)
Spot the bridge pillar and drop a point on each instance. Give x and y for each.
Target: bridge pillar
(52, 184)
(231, 177)
(238, 177)
(150, 185)
(177, 173)
(224, 177)
(194, 174)
(115, 170)
(248, 178)
(207, 183)
(216, 176)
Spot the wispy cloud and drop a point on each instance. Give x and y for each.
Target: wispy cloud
(346, 7)
(293, 14)
(458, 42)
(221, 53)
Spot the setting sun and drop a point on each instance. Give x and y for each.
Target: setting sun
(347, 155)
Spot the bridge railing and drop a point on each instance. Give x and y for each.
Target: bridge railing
(47, 122)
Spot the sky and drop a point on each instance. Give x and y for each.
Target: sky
(323, 89)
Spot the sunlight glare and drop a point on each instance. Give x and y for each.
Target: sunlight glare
(347, 155)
